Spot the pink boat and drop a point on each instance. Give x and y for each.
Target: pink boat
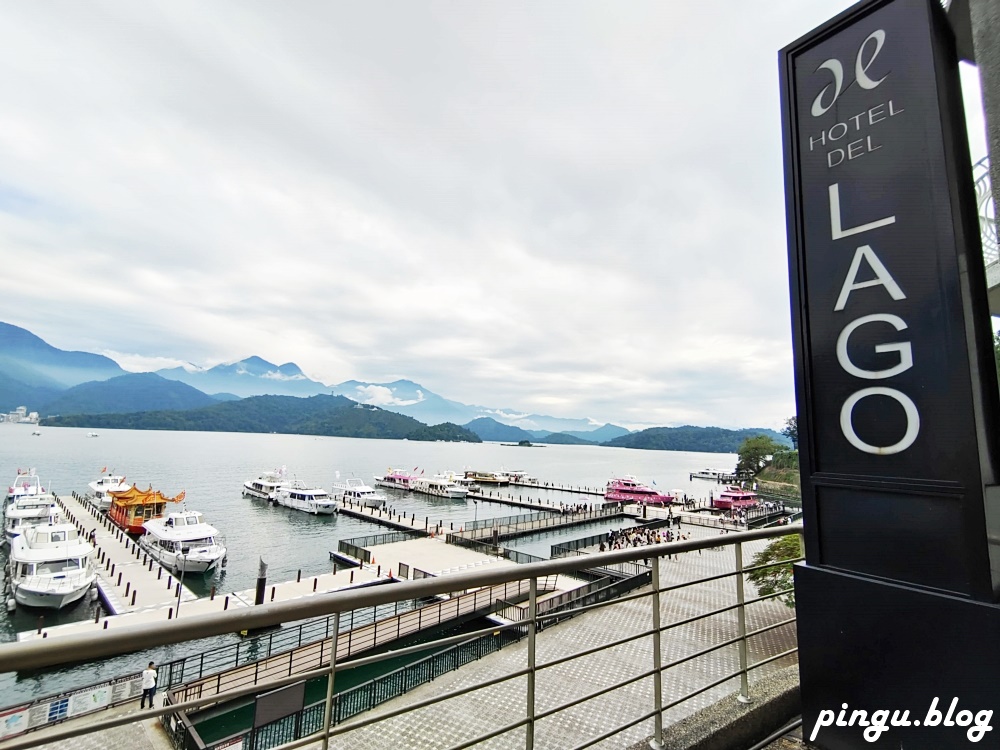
(396, 479)
(735, 497)
(627, 489)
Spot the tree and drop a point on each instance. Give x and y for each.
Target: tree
(778, 578)
(791, 430)
(755, 452)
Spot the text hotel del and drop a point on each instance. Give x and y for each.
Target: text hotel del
(855, 138)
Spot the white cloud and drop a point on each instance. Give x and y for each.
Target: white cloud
(565, 208)
(380, 395)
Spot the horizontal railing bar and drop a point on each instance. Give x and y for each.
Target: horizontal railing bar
(595, 694)
(779, 563)
(621, 728)
(360, 723)
(777, 735)
(37, 654)
(34, 740)
(594, 649)
(592, 607)
(496, 733)
(769, 659)
(448, 641)
(766, 628)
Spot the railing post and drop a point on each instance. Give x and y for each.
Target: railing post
(328, 707)
(741, 618)
(657, 742)
(529, 728)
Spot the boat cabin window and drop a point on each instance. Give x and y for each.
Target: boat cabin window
(200, 542)
(58, 536)
(193, 520)
(58, 566)
(25, 568)
(43, 537)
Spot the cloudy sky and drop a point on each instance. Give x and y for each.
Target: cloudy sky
(570, 208)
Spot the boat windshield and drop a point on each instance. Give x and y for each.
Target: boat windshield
(199, 542)
(58, 566)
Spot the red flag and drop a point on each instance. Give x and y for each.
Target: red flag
(104, 469)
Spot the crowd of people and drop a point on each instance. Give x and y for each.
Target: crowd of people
(639, 537)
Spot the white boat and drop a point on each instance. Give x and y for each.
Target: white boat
(439, 487)
(354, 490)
(101, 487)
(183, 542)
(28, 511)
(266, 485)
(298, 495)
(51, 566)
(517, 476)
(27, 483)
(93, 434)
(461, 480)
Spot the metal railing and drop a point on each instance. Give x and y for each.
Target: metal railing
(535, 521)
(356, 546)
(54, 651)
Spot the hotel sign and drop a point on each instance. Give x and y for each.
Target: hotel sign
(896, 386)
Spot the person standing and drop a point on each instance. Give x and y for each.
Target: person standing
(148, 686)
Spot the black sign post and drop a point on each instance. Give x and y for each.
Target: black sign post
(898, 403)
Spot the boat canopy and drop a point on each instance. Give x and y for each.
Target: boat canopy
(134, 496)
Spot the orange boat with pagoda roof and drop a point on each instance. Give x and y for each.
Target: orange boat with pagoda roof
(133, 507)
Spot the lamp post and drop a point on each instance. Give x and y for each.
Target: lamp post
(476, 520)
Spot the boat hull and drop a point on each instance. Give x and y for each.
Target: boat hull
(193, 564)
(249, 491)
(56, 598)
(317, 509)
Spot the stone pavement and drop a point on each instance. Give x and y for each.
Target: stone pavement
(141, 734)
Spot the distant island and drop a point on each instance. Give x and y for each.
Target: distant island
(521, 444)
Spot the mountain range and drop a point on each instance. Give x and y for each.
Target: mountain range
(86, 389)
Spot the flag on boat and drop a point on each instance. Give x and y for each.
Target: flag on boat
(654, 482)
(415, 468)
(104, 469)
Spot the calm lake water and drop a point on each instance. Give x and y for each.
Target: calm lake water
(211, 469)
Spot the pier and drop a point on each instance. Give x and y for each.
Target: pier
(141, 591)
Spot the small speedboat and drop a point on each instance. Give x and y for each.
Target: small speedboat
(439, 487)
(266, 485)
(354, 490)
(101, 487)
(51, 566)
(183, 542)
(300, 496)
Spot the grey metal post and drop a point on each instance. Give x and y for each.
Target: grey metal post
(529, 729)
(328, 707)
(657, 742)
(741, 617)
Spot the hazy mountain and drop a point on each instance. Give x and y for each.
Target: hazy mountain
(248, 377)
(134, 392)
(490, 429)
(564, 438)
(600, 435)
(316, 415)
(689, 438)
(28, 359)
(14, 393)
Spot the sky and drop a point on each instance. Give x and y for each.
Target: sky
(565, 208)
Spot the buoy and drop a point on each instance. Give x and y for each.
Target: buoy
(11, 604)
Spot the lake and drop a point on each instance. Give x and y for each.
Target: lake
(211, 468)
